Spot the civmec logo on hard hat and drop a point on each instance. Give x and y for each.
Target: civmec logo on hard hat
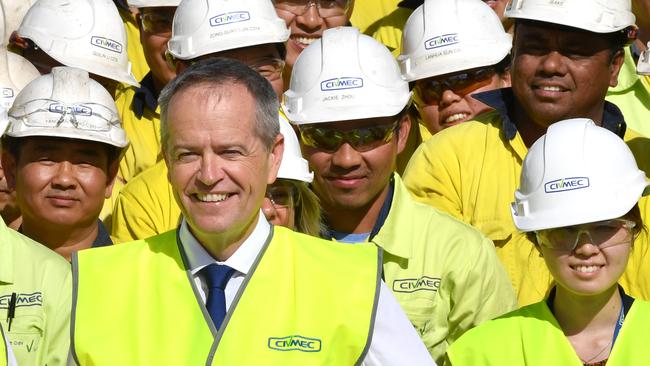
(341, 83)
(107, 44)
(441, 41)
(228, 18)
(6, 93)
(566, 184)
(77, 110)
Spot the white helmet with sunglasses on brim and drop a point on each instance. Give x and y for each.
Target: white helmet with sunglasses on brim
(66, 103)
(446, 36)
(344, 75)
(576, 173)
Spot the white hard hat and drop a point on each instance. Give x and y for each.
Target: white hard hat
(598, 16)
(575, 174)
(445, 36)
(643, 66)
(15, 73)
(293, 165)
(87, 34)
(152, 3)
(202, 27)
(13, 12)
(344, 75)
(41, 108)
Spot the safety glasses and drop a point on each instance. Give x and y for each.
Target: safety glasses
(602, 234)
(361, 139)
(326, 8)
(429, 91)
(158, 21)
(52, 113)
(282, 195)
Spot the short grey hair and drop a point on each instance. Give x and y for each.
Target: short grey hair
(220, 72)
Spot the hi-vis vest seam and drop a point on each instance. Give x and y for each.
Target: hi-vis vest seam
(75, 288)
(371, 328)
(3, 339)
(190, 278)
(235, 301)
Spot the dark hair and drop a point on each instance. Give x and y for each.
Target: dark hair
(220, 72)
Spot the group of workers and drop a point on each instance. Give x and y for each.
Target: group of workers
(324, 182)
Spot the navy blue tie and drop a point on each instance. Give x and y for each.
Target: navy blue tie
(216, 276)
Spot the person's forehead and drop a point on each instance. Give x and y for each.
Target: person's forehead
(539, 28)
(159, 10)
(49, 143)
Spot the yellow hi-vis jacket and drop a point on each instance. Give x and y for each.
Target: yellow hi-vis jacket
(532, 336)
(632, 96)
(4, 352)
(472, 171)
(306, 301)
(443, 272)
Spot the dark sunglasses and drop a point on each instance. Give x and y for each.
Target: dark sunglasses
(361, 139)
(282, 196)
(157, 22)
(429, 91)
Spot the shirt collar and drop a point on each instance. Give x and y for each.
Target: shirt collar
(243, 258)
(145, 97)
(102, 239)
(502, 100)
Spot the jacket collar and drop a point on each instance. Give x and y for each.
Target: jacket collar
(503, 101)
(145, 97)
(389, 229)
(6, 255)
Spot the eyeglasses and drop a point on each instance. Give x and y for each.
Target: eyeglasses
(429, 91)
(281, 196)
(158, 21)
(270, 68)
(326, 8)
(52, 113)
(602, 234)
(361, 139)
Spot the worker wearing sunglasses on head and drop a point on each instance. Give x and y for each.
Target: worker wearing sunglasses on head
(578, 202)
(249, 31)
(563, 61)
(452, 49)
(349, 102)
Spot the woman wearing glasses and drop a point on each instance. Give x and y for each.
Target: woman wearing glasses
(578, 198)
(450, 50)
(289, 200)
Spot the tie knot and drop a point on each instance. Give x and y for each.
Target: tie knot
(217, 275)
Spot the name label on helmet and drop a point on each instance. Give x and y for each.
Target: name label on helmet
(77, 110)
(7, 92)
(566, 184)
(228, 18)
(441, 41)
(107, 44)
(341, 83)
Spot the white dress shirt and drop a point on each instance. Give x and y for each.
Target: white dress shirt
(394, 340)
